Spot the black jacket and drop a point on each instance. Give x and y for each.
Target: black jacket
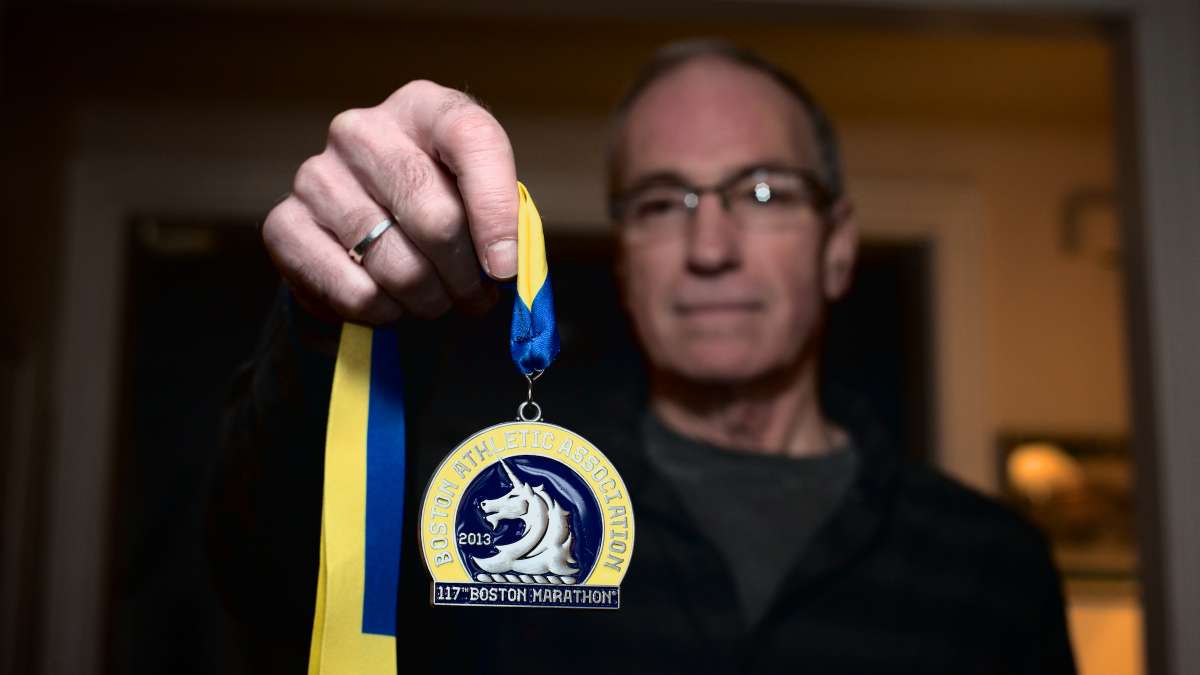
(912, 574)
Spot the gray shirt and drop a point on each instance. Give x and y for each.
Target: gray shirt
(758, 510)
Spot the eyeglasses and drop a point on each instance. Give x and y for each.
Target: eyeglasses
(759, 198)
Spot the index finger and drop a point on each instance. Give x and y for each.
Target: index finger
(451, 127)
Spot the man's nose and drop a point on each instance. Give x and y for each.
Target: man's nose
(714, 244)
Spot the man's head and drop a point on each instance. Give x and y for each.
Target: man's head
(727, 295)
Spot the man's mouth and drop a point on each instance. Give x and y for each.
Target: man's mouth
(718, 306)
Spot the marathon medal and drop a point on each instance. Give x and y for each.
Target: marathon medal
(526, 513)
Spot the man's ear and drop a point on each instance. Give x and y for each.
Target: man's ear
(841, 250)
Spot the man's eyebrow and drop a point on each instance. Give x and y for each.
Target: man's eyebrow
(665, 177)
(674, 178)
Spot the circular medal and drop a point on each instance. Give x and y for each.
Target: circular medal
(526, 514)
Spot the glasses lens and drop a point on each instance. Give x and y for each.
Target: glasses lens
(769, 197)
(657, 210)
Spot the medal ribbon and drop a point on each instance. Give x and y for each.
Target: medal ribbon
(534, 339)
(362, 510)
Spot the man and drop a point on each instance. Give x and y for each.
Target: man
(770, 537)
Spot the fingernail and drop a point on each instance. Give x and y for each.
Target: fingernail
(502, 259)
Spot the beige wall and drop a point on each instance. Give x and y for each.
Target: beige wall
(1054, 353)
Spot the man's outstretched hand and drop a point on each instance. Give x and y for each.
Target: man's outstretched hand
(438, 163)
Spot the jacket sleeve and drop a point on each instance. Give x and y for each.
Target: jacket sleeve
(264, 514)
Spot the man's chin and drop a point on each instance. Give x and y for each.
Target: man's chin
(725, 367)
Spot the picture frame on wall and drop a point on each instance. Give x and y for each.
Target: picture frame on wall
(1079, 490)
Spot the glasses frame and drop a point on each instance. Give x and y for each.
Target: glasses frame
(822, 196)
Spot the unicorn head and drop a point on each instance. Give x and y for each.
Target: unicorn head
(513, 504)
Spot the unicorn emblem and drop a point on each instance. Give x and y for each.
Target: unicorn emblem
(543, 554)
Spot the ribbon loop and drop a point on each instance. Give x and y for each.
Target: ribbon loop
(534, 337)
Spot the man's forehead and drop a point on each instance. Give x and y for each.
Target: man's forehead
(709, 116)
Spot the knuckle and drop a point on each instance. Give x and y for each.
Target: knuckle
(474, 129)
(350, 126)
(274, 230)
(270, 230)
(361, 299)
(440, 221)
(357, 300)
(446, 98)
(418, 88)
(312, 177)
(409, 174)
(454, 100)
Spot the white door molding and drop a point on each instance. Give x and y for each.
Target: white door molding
(948, 215)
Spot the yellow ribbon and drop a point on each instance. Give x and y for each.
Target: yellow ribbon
(339, 645)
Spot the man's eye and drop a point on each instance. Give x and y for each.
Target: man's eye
(653, 208)
(764, 194)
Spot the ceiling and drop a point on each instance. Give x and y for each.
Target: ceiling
(916, 68)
